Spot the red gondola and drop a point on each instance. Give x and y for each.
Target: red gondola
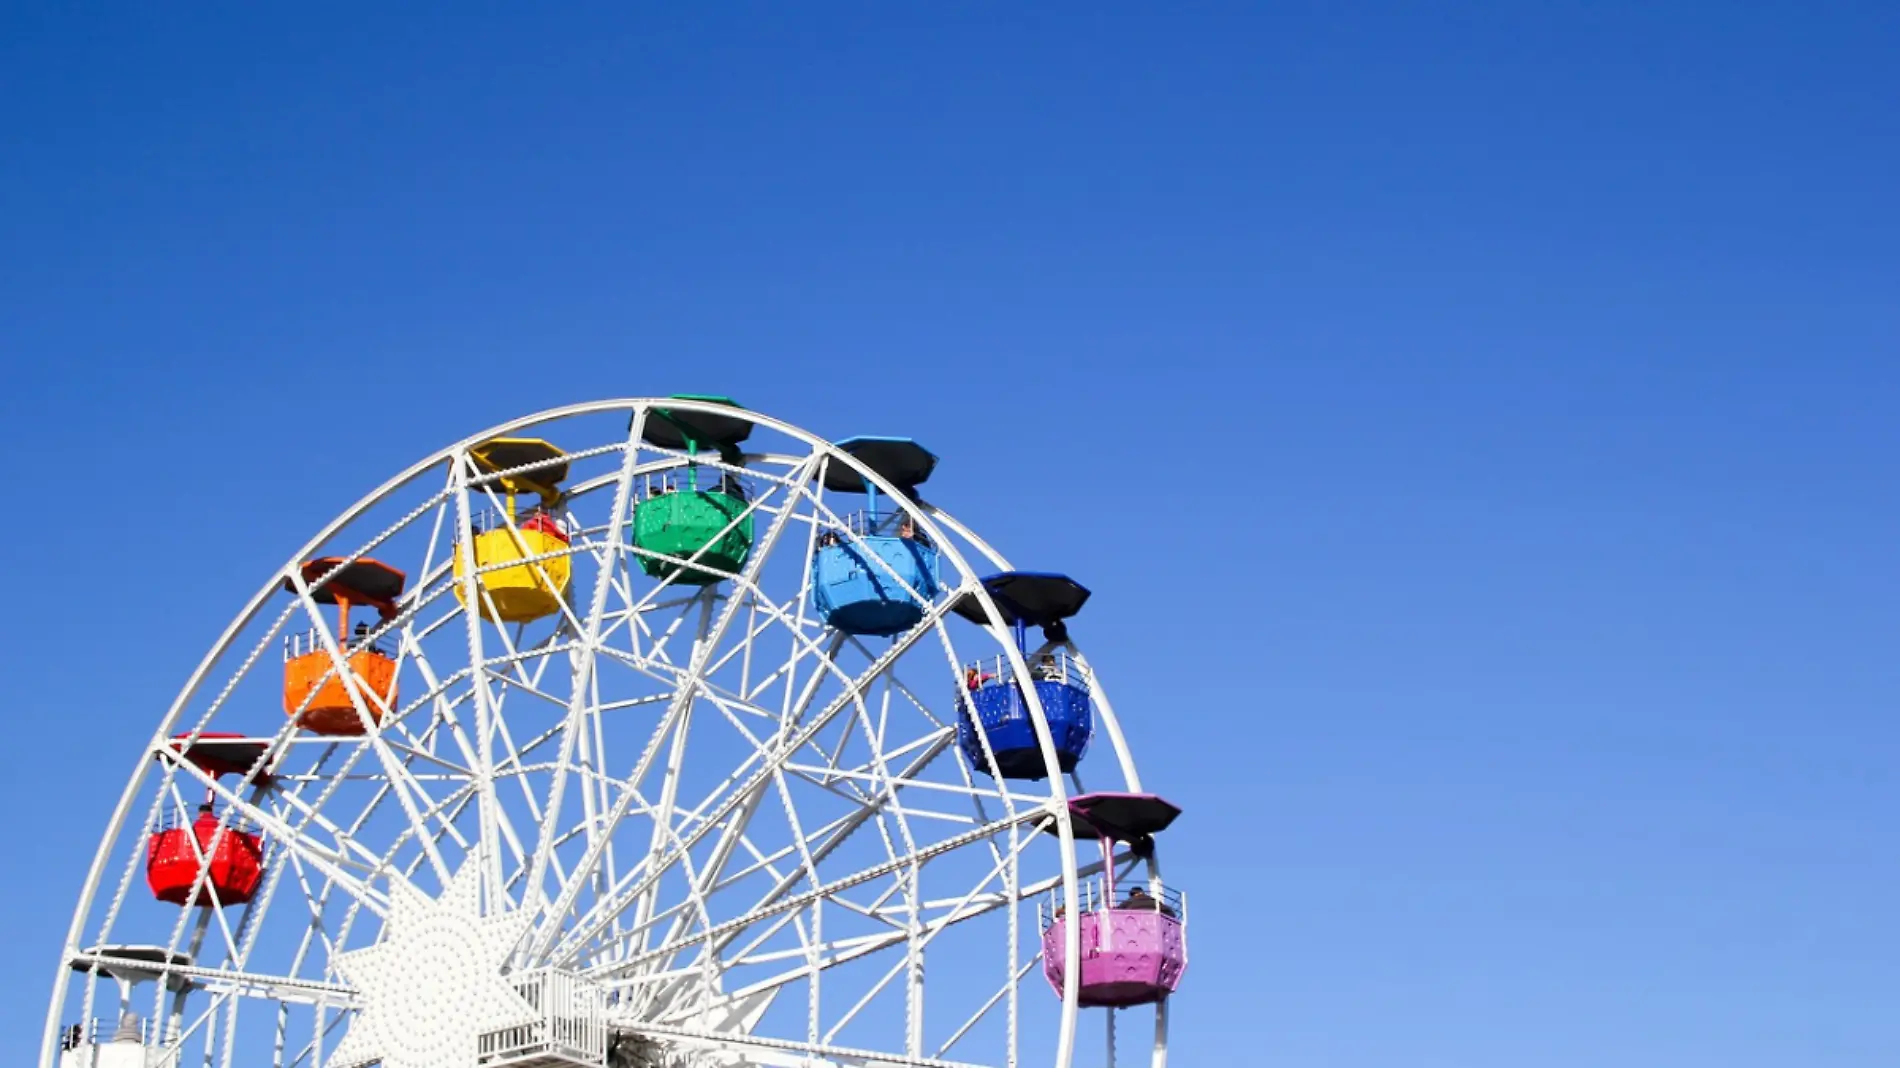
(209, 860)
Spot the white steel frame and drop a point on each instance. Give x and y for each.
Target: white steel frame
(692, 881)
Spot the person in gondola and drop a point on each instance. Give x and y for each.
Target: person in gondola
(1046, 669)
(908, 530)
(1140, 900)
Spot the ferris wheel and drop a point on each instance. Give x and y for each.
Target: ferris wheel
(634, 734)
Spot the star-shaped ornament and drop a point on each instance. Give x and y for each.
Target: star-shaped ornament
(434, 983)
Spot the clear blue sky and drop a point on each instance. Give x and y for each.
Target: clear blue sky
(1478, 423)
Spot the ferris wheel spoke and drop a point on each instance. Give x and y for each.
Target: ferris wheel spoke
(674, 722)
(881, 778)
(820, 777)
(790, 1052)
(789, 717)
(921, 706)
(443, 717)
(442, 811)
(251, 919)
(807, 869)
(828, 841)
(679, 719)
(762, 861)
(529, 667)
(831, 889)
(412, 750)
(514, 766)
(315, 902)
(732, 706)
(658, 641)
(1009, 987)
(350, 854)
(439, 810)
(249, 984)
(474, 592)
(741, 649)
(849, 951)
(830, 769)
(826, 653)
(202, 1022)
(731, 834)
(406, 789)
(312, 1052)
(630, 802)
(582, 683)
(385, 788)
(406, 870)
(853, 690)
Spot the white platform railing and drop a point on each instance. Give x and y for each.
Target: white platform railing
(569, 1028)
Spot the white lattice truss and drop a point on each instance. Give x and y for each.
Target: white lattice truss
(748, 838)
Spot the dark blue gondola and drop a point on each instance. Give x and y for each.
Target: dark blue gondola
(874, 575)
(991, 701)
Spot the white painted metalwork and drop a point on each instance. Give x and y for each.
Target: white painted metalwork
(568, 1028)
(125, 1043)
(665, 825)
(433, 987)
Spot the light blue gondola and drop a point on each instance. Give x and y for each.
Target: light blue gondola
(875, 572)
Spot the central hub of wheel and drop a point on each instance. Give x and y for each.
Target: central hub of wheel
(432, 991)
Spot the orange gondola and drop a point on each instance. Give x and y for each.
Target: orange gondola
(314, 690)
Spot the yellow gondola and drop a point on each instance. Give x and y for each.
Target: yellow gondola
(525, 591)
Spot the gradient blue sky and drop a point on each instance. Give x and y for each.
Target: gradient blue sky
(1478, 423)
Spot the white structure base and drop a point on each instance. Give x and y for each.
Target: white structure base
(123, 1054)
